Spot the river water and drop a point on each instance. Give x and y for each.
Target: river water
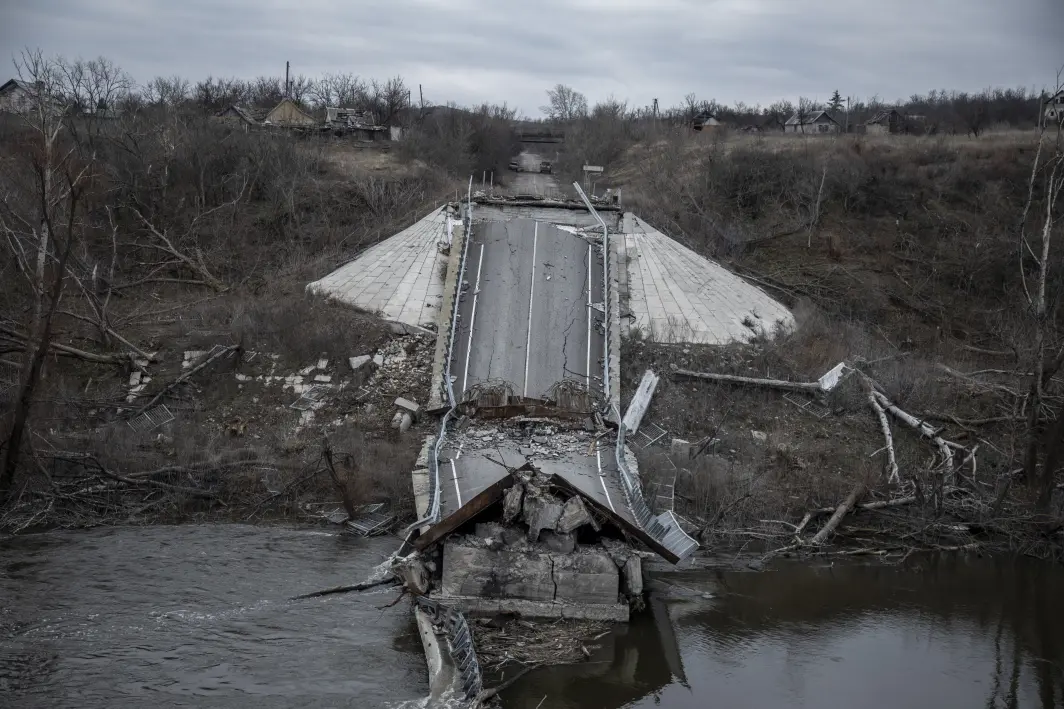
(198, 616)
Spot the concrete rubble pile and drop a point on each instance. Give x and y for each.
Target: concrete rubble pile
(539, 553)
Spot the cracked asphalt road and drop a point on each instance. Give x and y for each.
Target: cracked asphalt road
(523, 314)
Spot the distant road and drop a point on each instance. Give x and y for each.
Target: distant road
(530, 181)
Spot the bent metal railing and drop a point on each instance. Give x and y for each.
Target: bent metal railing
(432, 514)
(665, 528)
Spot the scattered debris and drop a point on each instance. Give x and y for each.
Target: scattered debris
(640, 401)
(371, 520)
(151, 419)
(359, 362)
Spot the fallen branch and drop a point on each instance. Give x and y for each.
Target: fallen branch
(186, 375)
(195, 492)
(975, 383)
(840, 512)
(808, 387)
(922, 427)
(884, 425)
(67, 350)
(487, 694)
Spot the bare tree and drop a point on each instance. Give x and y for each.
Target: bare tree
(1046, 356)
(167, 91)
(93, 85)
(386, 100)
(346, 90)
(611, 108)
(973, 111)
(40, 232)
(806, 108)
(565, 104)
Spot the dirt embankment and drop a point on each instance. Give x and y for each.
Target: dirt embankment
(900, 256)
(262, 215)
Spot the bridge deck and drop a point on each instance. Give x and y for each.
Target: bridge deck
(525, 316)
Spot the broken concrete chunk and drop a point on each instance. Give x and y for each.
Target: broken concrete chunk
(633, 576)
(323, 378)
(402, 420)
(759, 436)
(618, 551)
(540, 514)
(511, 503)
(134, 379)
(574, 515)
(560, 543)
(378, 359)
(411, 570)
(323, 363)
(410, 406)
(358, 362)
(680, 447)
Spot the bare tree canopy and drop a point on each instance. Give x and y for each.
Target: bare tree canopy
(565, 104)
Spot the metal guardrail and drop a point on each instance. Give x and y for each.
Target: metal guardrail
(460, 644)
(433, 513)
(665, 528)
(605, 292)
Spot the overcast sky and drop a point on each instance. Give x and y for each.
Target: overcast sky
(470, 51)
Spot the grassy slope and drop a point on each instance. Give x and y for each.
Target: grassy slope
(913, 263)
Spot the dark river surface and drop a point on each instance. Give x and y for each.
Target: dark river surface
(198, 616)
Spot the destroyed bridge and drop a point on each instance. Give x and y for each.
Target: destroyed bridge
(528, 494)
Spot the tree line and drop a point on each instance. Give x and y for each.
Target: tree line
(937, 111)
(89, 86)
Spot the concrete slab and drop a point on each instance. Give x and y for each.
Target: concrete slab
(401, 278)
(676, 295)
(476, 607)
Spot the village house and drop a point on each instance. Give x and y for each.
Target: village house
(349, 117)
(1054, 108)
(286, 114)
(884, 122)
(17, 96)
(239, 116)
(705, 122)
(813, 122)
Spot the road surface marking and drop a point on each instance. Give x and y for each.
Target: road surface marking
(602, 479)
(589, 319)
(472, 319)
(531, 292)
(457, 490)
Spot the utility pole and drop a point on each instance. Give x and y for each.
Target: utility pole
(655, 109)
(287, 83)
(847, 114)
(422, 94)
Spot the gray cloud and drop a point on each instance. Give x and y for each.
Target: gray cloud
(478, 50)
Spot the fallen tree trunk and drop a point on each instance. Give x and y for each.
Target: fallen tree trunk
(922, 427)
(807, 387)
(840, 512)
(884, 425)
(364, 586)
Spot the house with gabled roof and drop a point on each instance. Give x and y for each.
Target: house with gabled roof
(814, 122)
